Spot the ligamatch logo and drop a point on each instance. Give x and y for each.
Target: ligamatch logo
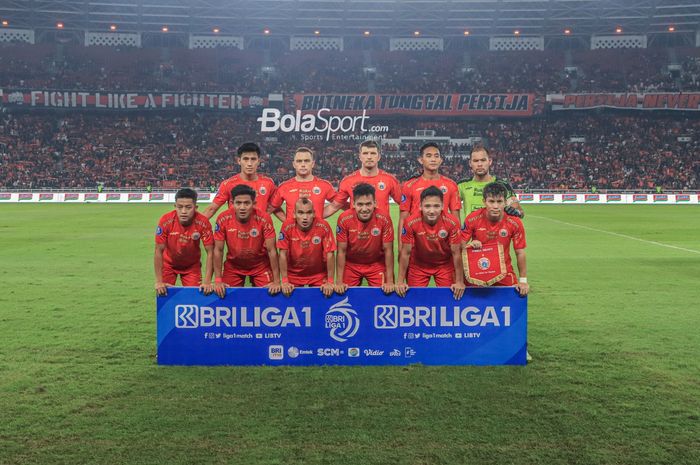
(342, 320)
(273, 120)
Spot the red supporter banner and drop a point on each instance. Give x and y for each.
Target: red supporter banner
(44, 98)
(417, 104)
(626, 101)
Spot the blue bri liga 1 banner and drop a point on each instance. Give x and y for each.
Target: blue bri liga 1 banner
(488, 326)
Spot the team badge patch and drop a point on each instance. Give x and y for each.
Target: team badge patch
(442, 233)
(316, 240)
(381, 186)
(376, 231)
(443, 189)
(159, 230)
(262, 190)
(484, 263)
(196, 236)
(316, 190)
(503, 233)
(254, 232)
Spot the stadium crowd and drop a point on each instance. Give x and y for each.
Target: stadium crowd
(62, 66)
(605, 150)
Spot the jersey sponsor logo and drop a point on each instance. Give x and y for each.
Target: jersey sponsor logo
(381, 186)
(442, 234)
(316, 240)
(503, 233)
(484, 263)
(159, 230)
(196, 236)
(316, 190)
(254, 232)
(342, 320)
(376, 231)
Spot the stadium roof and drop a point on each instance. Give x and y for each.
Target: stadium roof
(350, 18)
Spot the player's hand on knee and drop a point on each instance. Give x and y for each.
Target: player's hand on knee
(523, 289)
(340, 288)
(287, 289)
(162, 288)
(327, 289)
(387, 288)
(401, 289)
(457, 290)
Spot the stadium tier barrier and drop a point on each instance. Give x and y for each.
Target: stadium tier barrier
(205, 197)
(487, 326)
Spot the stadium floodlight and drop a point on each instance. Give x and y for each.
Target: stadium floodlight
(5, 23)
(59, 25)
(113, 27)
(317, 32)
(416, 33)
(671, 29)
(516, 32)
(266, 31)
(618, 30)
(164, 29)
(567, 32)
(216, 30)
(366, 33)
(466, 33)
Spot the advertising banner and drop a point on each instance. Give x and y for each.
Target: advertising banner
(488, 326)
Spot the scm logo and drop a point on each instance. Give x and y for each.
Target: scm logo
(328, 352)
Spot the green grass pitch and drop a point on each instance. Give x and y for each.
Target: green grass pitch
(614, 331)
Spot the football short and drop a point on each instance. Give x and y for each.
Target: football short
(260, 276)
(314, 281)
(373, 273)
(191, 276)
(420, 276)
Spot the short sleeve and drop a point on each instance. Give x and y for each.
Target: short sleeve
(407, 236)
(405, 205)
(220, 230)
(341, 232)
(162, 233)
(388, 232)
(222, 195)
(519, 241)
(207, 234)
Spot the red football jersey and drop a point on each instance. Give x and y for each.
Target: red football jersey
(245, 242)
(307, 251)
(182, 242)
(365, 240)
(411, 190)
(264, 190)
(385, 185)
(431, 245)
(510, 228)
(317, 190)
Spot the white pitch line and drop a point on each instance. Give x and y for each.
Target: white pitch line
(617, 234)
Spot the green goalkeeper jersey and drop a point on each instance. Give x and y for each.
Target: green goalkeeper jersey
(472, 194)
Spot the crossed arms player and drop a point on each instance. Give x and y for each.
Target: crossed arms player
(306, 252)
(365, 244)
(249, 238)
(178, 238)
(431, 247)
(492, 225)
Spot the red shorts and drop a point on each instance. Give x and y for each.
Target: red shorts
(260, 276)
(354, 272)
(315, 280)
(509, 280)
(191, 276)
(419, 276)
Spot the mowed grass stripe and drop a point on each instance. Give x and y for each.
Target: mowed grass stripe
(613, 329)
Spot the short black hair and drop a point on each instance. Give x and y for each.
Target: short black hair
(495, 189)
(186, 193)
(242, 189)
(371, 144)
(479, 148)
(431, 191)
(363, 189)
(249, 147)
(428, 145)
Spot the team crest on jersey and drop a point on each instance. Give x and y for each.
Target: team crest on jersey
(281, 236)
(484, 263)
(159, 230)
(316, 190)
(262, 190)
(503, 233)
(196, 236)
(442, 233)
(443, 188)
(381, 186)
(316, 240)
(254, 232)
(376, 231)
